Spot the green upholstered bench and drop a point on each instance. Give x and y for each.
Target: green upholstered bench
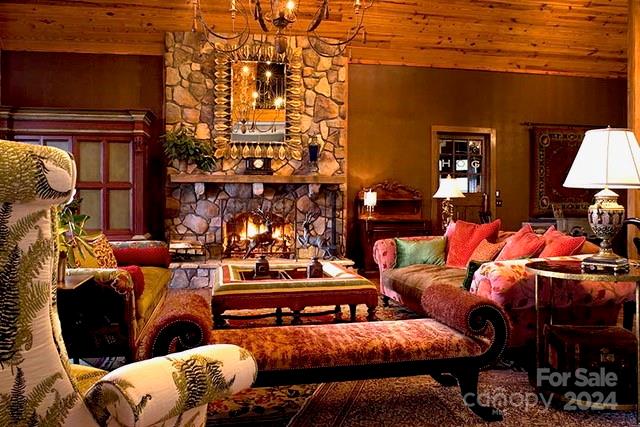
(465, 334)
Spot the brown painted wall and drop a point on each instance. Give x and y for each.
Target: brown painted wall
(71, 80)
(392, 109)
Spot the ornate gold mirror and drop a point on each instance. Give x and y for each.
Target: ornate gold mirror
(258, 97)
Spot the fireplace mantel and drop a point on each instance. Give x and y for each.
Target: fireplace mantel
(265, 179)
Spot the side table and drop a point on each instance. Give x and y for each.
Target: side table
(88, 317)
(571, 270)
(73, 281)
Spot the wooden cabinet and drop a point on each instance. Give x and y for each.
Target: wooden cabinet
(110, 149)
(398, 213)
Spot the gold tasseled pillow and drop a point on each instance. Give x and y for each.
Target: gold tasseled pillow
(100, 255)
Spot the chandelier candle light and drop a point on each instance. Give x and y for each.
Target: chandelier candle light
(280, 14)
(607, 158)
(448, 190)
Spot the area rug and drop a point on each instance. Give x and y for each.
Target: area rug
(275, 406)
(392, 312)
(421, 402)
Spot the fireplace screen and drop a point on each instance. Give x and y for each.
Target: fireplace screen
(272, 236)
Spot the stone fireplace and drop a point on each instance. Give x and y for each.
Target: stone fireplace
(215, 208)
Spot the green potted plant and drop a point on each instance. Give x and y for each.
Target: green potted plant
(72, 236)
(181, 144)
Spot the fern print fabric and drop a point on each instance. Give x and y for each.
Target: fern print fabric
(36, 389)
(36, 385)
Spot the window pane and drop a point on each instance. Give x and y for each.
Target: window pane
(119, 162)
(90, 162)
(63, 144)
(475, 183)
(120, 209)
(92, 205)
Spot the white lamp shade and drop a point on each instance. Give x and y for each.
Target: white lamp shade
(606, 158)
(448, 189)
(370, 198)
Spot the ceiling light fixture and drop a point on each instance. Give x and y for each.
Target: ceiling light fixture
(279, 14)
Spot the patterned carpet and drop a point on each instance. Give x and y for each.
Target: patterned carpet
(275, 406)
(421, 402)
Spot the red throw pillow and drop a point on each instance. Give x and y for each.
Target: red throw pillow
(524, 244)
(486, 251)
(559, 244)
(465, 237)
(154, 256)
(138, 278)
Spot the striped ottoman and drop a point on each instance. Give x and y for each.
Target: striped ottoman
(288, 287)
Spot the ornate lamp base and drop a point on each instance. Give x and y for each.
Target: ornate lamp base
(447, 213)
(605, 219)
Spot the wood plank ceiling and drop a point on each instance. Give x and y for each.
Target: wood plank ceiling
(568, 37)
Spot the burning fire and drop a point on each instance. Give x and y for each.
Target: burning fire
(252, 229)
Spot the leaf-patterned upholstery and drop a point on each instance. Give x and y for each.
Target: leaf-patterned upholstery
(37, 384)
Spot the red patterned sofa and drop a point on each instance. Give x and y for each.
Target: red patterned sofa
(464, 334)
(506, 283)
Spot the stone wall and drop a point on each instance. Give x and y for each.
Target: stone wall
(189, 83)
(197, 211)
(203, 209)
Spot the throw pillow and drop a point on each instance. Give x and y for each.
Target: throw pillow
(487, 251)
(138, 278)
(524, 244)
(410, 252)
(465, 237)
(559, 244)
(152, 256)
(99, 256)
(472, 267)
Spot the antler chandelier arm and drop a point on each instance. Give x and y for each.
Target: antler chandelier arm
(321, 44)
(234, 41)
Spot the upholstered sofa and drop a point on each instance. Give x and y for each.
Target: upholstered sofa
(124, 303)
(505, 282)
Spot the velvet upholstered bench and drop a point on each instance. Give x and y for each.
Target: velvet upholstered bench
(464, 334)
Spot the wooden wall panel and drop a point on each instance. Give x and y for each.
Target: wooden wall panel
(568, 37)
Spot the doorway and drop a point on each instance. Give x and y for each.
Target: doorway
(468, 155)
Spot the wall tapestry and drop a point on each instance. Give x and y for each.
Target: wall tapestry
(553, 150)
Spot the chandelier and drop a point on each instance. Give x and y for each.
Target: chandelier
(279, 15)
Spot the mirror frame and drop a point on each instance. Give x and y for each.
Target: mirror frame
(294, 89)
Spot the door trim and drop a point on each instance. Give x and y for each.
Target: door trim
(433, 179)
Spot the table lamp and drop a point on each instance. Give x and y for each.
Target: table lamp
(607, 158)
(448, 190)
(370, 200)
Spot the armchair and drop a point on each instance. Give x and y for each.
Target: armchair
(38, 386)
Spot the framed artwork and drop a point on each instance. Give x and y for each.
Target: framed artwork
(553, 150)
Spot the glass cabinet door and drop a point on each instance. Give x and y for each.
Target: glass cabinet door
(105, 183)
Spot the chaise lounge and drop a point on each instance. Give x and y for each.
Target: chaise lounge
(465, 334)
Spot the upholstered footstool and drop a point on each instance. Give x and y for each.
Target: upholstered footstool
(235, 288)
(184, 322)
